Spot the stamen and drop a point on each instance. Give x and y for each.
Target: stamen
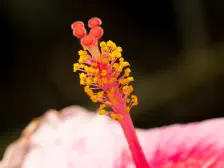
(106, 80)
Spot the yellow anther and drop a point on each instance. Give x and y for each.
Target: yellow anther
(95, 79)
(93, 98)
(118, 55)
(104, 49)
(103, 44)
(103, 72)
(86, 88)
(116, 66)
(111, 44)
(127, 109)
(134, 103)
(119, 49)
(93, 64)
(88, 91)
(76, 67)
(124, 81)
(110, 56)
(82, 66)
(81, 60)
(87, 57)
(100, 94)
(82, 82)
(127, 90)
(119, 117)
(113, 116)
(121, 59)
(107, 103)
(134, 97)
(127, 71)
(82, 76)
(86, 68)
(82, 52)
(124, 64)
(119, 69)
(102, 106)
(134, 100)
(128, 100)
(130, 79)
(89, 81)
(91, 70)
(113, 55)
(116, 116)
(102, 112)
(96, 71)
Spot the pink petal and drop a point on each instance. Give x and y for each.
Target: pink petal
(77, 138)
(197, 145)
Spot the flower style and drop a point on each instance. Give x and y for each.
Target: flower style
(106, 77)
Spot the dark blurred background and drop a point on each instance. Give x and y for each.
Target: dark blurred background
(175, 48)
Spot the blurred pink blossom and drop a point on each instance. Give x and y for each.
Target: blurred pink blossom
(76, 138)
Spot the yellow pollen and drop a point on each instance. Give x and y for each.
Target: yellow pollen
(127, 71)
(104, 72)
(130, 79)
(121, 59)
(102, 112)
(102, 106)
(82, 82)
(124, 64)
(103, 44)
(116, 116)
(100, 94)
(108, 103)
(93, 64)
(119, 49)
(93, 98)
(128, 100)
(134, 100)
(89, 81)
(127, 90)
(76, 67)
(128, 109)
(82, 52)
(82, 76)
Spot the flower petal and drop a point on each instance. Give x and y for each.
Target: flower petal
(184, 144)
(77, 138)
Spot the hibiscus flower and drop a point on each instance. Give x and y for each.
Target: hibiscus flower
(76, 138)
